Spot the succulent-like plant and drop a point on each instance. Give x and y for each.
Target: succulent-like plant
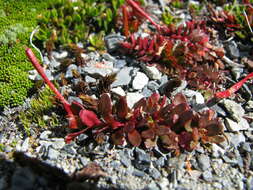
(74, 21)
(151, 122)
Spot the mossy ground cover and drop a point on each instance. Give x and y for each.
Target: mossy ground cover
(17, 20)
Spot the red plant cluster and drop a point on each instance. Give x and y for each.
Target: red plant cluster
(184, 48)
(150, 122)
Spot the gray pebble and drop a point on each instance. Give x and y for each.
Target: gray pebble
(207, 176)
(123, 77)
(153, 86)
(154, 173)
(203, 162)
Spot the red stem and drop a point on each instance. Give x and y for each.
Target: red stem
(125, 21)
(143, 13)
(234, 88)
(38, 67)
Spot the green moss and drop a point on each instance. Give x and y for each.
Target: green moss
(40, 106)
(17, 20)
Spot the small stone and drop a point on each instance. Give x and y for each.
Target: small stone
(52, 153)
(234, 109)
(69, 73)
(97, 68)
(152, 85)
(81, 138)
(217, 150)
(207, 176)
(89, 79)
(125, 158)
(139, 81)
(58, 143)
(204, 162)
(45, 135)
(74, 98)
(152, 186)
(237, 72)
(132, 98)
(236, 139)
(120, 63)
(163, 80)
(246, 147)
(84, 161)
(48, 74)
(232, 49)
(123, 77)
(60, 55)
(159, 162)
(152, 72)
(233, 126)
(138, 173)
(25, 145)
(219, 110)
(154, 173)
(146, 92)
(118, 91)
(143, 160)
(113, 41)
(70, 149)
(108, 57)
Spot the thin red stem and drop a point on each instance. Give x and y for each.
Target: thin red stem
(143, 13)
(38, 67)
(234, 88)
(125, 21)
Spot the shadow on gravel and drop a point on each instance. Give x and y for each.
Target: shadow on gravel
(26, 173)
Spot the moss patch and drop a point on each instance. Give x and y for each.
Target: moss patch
(17, 20)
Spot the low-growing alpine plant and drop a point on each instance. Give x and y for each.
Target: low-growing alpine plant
(152, 121)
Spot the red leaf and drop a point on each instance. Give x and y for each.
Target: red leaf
(185, 139)
(76, 107)
(178, 99)
(163, 130)
(89, 118)
(134, 138)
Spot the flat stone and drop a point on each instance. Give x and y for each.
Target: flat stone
(207, 176)
(95, 68)
(52, 153)
(113, 41)
(132, 98)
(236, 139)
(154, 173)
(118, 91)
(153, 86)
(71, 68)
(58, 143)
(45, 135)
(89, 79)
(234, 109)
(232, 49)
(217, 150)
(152, 72)
(204, 162)
(60, 55)
(25, 145)
(120, 63)
(123, 77)
(139, 81)
(233, 126)
(146, 92)
(108, 57)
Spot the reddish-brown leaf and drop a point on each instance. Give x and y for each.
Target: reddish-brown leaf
(122, 108)
(89, 118)
(178, 99)
(149, 143)
(118, 137)
(105, 105)
(148, 134)
(214, 129)
(162, 130)
(134, 138)
(76, 107)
